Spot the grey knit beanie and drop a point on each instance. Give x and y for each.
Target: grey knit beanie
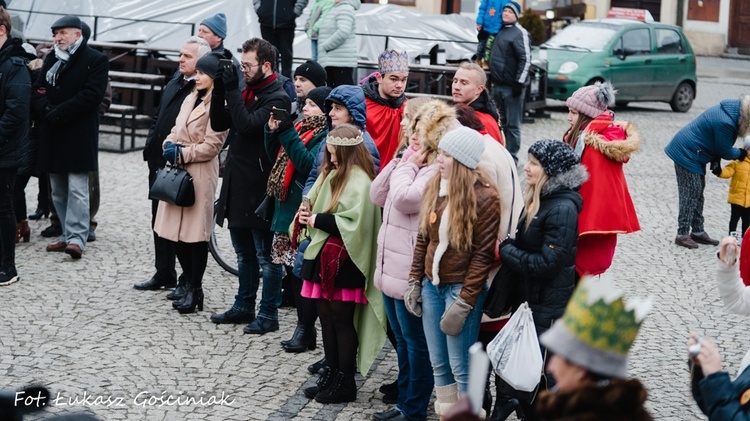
(592, 100)
(464, 145)
(555, 156)
(209, 64)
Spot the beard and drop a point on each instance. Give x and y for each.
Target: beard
(257, 78)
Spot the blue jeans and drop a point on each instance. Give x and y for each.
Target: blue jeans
(314, 49)
(415, 381)
(449, 354)
(70, 194)
(253, 248)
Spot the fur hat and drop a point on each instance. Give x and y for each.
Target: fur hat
(319, 95)
(555, 156)
(746, 142)
(464, 145)
(209, 64)
(514, 7)
(598, 328)
(313, 72)
(592, 100)
(67, 21)
(217, 24)
(437, 116)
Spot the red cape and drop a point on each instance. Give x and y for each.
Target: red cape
(384, 125)
(491, 127)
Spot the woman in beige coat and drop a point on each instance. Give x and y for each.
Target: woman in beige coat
(189, 228)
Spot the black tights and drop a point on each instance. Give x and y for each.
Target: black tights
(193, 258)
(307, 309)
(737, 213)
(339, 336)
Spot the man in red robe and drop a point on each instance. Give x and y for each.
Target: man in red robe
(384, 96)
(469, 87)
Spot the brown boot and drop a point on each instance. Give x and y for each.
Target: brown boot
(703, 238)
(685, 241)
(23, 231)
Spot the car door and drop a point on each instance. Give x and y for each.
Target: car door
(631, 65)
(671, 62)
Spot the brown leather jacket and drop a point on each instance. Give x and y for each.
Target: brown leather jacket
(468, 268)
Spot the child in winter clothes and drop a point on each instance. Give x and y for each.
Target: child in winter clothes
(739, 189)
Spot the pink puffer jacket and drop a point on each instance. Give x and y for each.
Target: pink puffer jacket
(398, 189)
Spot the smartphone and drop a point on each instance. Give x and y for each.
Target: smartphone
(225, 63)
(479, 364)
(280, 114)
(306, 203)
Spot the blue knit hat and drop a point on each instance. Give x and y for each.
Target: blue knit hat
(465, 145)
(217, 24)
(514, 7)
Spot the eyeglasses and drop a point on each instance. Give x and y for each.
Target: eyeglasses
(248, 66)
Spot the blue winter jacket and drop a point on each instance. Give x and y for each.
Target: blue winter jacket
(490, 15)
(719, 397)
(711, 135)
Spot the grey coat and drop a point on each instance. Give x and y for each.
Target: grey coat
(337, 40)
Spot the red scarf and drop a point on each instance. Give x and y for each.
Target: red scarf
(601, 122)
(332, 258)
(248, 95)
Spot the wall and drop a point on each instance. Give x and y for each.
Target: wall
(708, 38)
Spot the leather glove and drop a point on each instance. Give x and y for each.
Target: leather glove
(743, 154)
(230, 78)
(411, 297)
(715, 167)
(517, 89)
(219, 81)
(454, 318)
(170, 152)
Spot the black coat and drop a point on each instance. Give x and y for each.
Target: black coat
(510, 58)
(169, 107)
(544, 254)
(70, 131)
(248, 166)
(15, 95)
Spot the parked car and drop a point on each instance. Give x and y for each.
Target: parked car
(645, 61)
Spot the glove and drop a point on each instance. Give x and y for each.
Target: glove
(454, 318)
(743, 154)
(715, 167)
(170, 152)
(412, 296)
(517, 89)
(230, 78)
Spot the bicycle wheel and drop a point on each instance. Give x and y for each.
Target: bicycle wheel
(221, 248)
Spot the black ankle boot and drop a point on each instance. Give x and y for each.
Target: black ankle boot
(307, 339)
(315, 367)
(342, 389)
(503, 409)
(294, 336)
(193, 298)
(179, 292)
(324, 382)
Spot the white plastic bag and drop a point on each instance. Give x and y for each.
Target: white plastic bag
(515, 353)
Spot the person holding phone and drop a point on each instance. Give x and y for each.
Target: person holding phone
(293, 148)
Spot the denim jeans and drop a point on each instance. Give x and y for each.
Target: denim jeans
(449, 354)
(253, 248)
(70, 195)
(314, 49)
(511, 115)
(415, 381)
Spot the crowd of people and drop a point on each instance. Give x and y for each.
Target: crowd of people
(389, 217)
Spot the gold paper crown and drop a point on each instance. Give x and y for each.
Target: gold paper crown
(344, 141)
(598, 316)
(393, 61)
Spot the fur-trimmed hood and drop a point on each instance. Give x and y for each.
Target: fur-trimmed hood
(437, 116)
(743, 126)
(571, 179)
(616, 150)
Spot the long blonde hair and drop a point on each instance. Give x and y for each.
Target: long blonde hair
(347, 158)
(532, 198)
(410, 112)
(462, 204)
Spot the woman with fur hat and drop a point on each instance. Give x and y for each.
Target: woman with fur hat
(455, 248)
(399, 189)
(542, 256)
(603, 145)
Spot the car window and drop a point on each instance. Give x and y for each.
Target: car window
(585, 37)
(669, 41)
(634, 42)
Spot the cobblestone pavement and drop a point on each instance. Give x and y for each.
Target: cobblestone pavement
(80, 328)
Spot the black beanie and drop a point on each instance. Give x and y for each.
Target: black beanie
(555, 156)
(319, 95)
(313, 72)
(209, 64)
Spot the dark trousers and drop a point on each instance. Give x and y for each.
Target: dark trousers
(737, 213)
(7, 221)
(510, 108)
(283, 40)
(482, 37)
(164, 253)
(690, 188)
(339, 76)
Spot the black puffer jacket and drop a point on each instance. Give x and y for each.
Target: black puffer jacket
(485, 104)
(15, 94)
(510, 58)
(543, 255)
(278, 13)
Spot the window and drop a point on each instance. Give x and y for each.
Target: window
(635, 42)
(669, 41)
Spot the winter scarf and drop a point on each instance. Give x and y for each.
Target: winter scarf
(248, 95)
(63, 56)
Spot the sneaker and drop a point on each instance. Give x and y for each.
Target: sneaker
(8, 278)
(685, 241)
(703, 238)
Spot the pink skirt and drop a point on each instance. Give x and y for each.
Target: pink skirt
(315, 291)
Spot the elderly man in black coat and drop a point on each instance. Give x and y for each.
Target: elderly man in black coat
(68, 92)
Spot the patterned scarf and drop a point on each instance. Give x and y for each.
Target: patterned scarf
(63, 56)
(283, 169)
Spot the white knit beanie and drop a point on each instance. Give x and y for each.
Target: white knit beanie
(465, 145)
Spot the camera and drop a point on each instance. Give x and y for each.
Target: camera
(695, 349)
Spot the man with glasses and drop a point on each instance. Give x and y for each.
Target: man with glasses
(245, 179)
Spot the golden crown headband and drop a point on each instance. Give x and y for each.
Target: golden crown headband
(344, 141)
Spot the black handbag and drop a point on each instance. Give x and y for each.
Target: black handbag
(173, 185)
(265, 209)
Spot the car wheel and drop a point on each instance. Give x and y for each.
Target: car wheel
(593, 81)
(621, 104)
(683, 97)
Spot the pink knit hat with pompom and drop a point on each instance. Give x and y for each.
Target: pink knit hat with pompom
(592, 100)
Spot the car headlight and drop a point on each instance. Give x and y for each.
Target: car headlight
(568, 67)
